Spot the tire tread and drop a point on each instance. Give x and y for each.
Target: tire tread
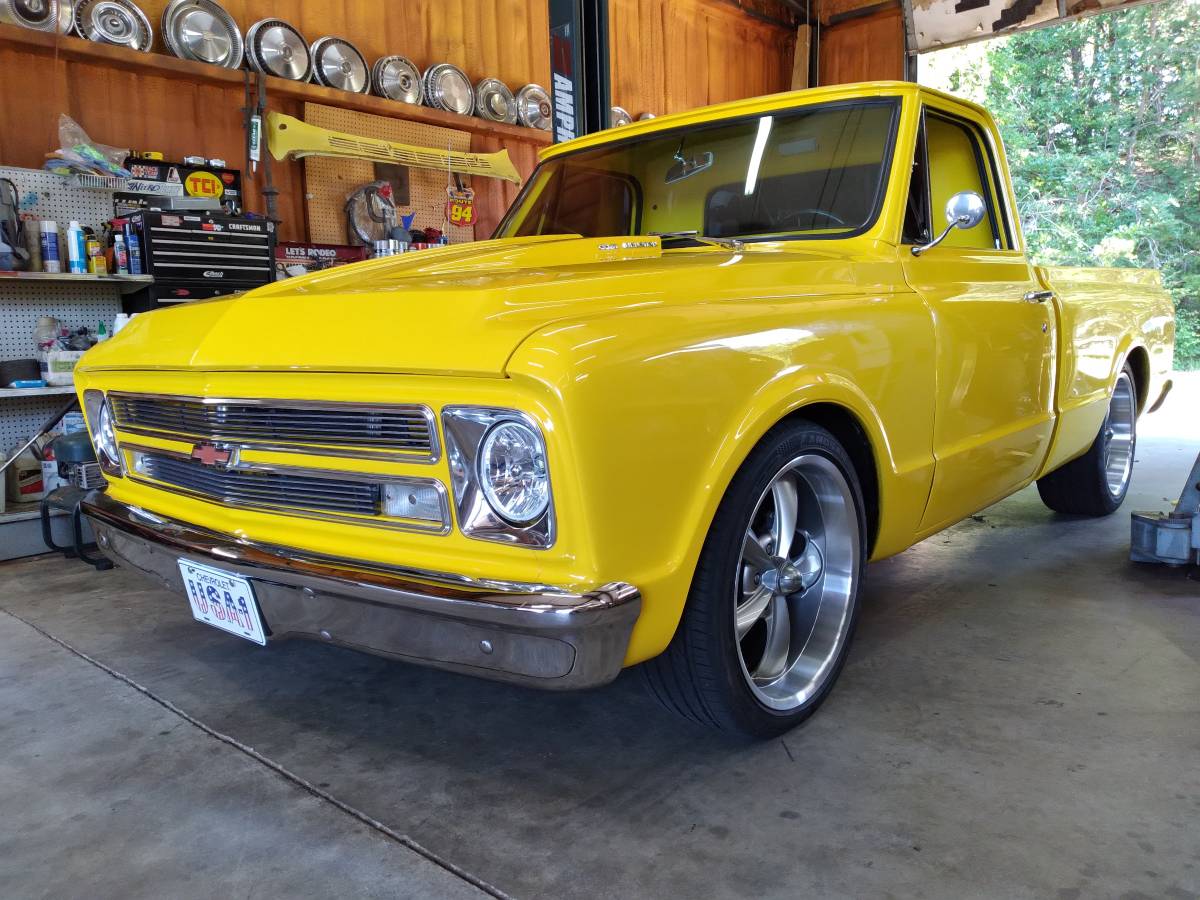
(1079, 488)
(683, 678)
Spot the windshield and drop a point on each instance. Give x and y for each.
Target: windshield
(811, 172)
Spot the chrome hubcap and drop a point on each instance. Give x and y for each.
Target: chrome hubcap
(1119, 436)
(796, 580)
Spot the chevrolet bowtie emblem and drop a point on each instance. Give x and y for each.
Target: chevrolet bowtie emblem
(212, 455)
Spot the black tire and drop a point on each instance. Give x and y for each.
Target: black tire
(1088, 485)
(703, 674)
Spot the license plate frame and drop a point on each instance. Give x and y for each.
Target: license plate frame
(223, 600)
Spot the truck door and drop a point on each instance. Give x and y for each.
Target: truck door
(994, 328)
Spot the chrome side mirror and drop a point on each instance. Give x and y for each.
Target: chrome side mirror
(965, 210)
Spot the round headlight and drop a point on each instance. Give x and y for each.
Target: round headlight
(512, 470)
(104, 435)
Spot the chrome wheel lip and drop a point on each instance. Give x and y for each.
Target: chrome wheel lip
(533, 107)
(397, 78)
(174, 21)
(1119, 435)
(337, 63)
(269, 50)
(825, 554)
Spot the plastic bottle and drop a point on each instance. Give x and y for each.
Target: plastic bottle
(76, 249)
(102, 333)
(120, 255)
(120, 322)
(25, 479)
(133, 246)
(51, 261)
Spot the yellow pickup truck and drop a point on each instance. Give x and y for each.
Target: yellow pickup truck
(708, 367)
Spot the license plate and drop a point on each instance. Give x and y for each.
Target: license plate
(223, 600)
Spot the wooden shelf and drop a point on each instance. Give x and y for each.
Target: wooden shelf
(53, 390)
(129, 60)
(127, 283)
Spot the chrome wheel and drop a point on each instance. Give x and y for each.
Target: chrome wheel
(796, 582)
(1119, 435)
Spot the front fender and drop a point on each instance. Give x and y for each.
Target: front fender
(660, 406)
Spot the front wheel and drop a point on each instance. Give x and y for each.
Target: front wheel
(774, 600)
(1095, 484)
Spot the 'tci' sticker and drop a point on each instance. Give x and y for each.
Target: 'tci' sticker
(203, 184)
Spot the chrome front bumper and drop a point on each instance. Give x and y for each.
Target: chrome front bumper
(537, 635)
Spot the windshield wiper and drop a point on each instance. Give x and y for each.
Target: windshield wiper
(726, 243)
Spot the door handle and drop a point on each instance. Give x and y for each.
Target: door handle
(1039, 296)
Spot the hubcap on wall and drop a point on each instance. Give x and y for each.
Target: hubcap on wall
(1119, 435)
(795, 581)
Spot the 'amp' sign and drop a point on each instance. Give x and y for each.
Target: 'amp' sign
(579, 67)
(564, 108)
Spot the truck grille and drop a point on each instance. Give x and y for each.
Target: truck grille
(334, 429)
(263, 490)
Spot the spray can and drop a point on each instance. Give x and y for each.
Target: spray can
(76, 249)
(96, 262)
(133, 246)
(51, 261)
(120, 255)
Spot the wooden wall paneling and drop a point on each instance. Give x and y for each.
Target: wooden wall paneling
(505, 39)
(154, 102)
(637, 55)
(864, 48)
(493, 196)
(131, 110)
(800, 58)
(672, 55)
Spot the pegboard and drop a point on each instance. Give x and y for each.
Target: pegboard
(328, 181)
(48, 196)
(20, 417)
(21, 305)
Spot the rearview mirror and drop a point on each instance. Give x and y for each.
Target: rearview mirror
(964, 210)
(684, 168)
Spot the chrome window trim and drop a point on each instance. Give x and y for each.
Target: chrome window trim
(465, 428)
(340, 451)
(411, 525)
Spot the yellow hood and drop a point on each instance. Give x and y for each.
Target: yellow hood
(458, 310)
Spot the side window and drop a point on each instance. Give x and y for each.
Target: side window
(589, 202)
(957, 163)
(918, 224)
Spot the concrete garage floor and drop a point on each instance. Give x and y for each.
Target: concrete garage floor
(1020, 716)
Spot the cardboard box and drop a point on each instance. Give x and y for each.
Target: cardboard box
(58, 366)
(295, 258)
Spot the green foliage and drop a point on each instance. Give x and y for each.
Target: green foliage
(1101, 119)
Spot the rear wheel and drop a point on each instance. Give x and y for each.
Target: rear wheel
(1095, 484)
(774, 600)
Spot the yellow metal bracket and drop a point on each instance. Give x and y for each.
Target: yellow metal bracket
(288, 136)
